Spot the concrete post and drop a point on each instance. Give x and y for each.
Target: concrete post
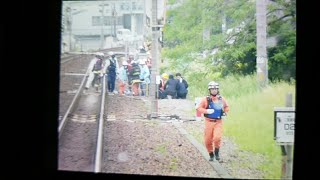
(155, 58)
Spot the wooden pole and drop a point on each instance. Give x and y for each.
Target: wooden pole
(289, 148)
(283, 162)
(287, 151)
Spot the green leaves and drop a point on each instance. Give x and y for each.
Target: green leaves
(196, 30)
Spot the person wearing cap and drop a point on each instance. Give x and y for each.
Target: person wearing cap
(112, 70)
(214, 107)
(163, 80)
(135, 77)
(144, 77)
(123, 77)
(95, 67)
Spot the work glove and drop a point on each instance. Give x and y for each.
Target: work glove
(210, 111)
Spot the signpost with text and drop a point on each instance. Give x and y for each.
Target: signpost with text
(284, 118)
(284, 122)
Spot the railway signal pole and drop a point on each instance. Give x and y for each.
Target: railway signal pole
(102, 24)
(262, 59)
(155, 60)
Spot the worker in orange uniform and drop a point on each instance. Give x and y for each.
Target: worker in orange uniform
(214, 107)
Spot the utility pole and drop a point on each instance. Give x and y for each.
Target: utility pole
(114, 14)
(262, 58)
(288, 163)
(155, 60)
(69, 25)
(144, 17)
(102, 23)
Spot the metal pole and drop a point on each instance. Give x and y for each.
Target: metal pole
(154, 68)
(262, 59)
(144, 17)
(289, 148)
(115, 19)
(69, 25)
(286, 171)
(102, 22)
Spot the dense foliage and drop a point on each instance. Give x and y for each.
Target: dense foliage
(220, 36)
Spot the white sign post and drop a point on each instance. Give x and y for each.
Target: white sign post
(284, 121)
(284, 118)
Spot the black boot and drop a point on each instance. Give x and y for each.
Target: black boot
(211, 156)
(216, 153)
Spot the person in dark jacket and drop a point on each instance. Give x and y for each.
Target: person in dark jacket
(163, 80)
(183, 87)
(171, 87)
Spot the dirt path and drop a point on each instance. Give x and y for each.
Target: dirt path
(136, 145)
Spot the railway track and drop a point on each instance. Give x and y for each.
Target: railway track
(80, 118)
(93, 131)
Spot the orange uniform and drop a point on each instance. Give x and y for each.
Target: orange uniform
(213, 127)
(122, 86)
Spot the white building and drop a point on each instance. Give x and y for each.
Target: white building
(82, 21)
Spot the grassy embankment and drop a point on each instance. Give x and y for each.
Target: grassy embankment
(250, 122)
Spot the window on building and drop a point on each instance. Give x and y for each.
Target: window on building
(108, 20)
(96, 21)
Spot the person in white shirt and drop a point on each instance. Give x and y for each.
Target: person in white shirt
(144, 77)
(123, 77)
(95, 66)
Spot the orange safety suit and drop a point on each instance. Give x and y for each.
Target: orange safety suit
(213, 127)
(122, 86)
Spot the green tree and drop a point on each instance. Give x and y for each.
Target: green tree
(232, 51)
(282, 25)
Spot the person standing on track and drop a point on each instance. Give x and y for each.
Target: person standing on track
(213, 107)
(95, 66)
(112, 71)
(135, 76)
(123, 77)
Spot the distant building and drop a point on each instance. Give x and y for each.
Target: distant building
(85, 22)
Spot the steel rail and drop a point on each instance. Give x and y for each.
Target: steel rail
(99, 150)
(75, 98)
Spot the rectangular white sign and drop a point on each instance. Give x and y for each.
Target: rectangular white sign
(284, 125)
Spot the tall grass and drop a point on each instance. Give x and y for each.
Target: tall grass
(231, 86)
(250, 121)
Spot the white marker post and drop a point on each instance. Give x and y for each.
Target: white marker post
(284, 121)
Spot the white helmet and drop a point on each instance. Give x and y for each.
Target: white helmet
(125, 63)
(99, 55)
(110, 53)
(213, 84)
(142, 61)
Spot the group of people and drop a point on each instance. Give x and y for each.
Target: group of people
(133, 75)
(102, 65)
(172, 88)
